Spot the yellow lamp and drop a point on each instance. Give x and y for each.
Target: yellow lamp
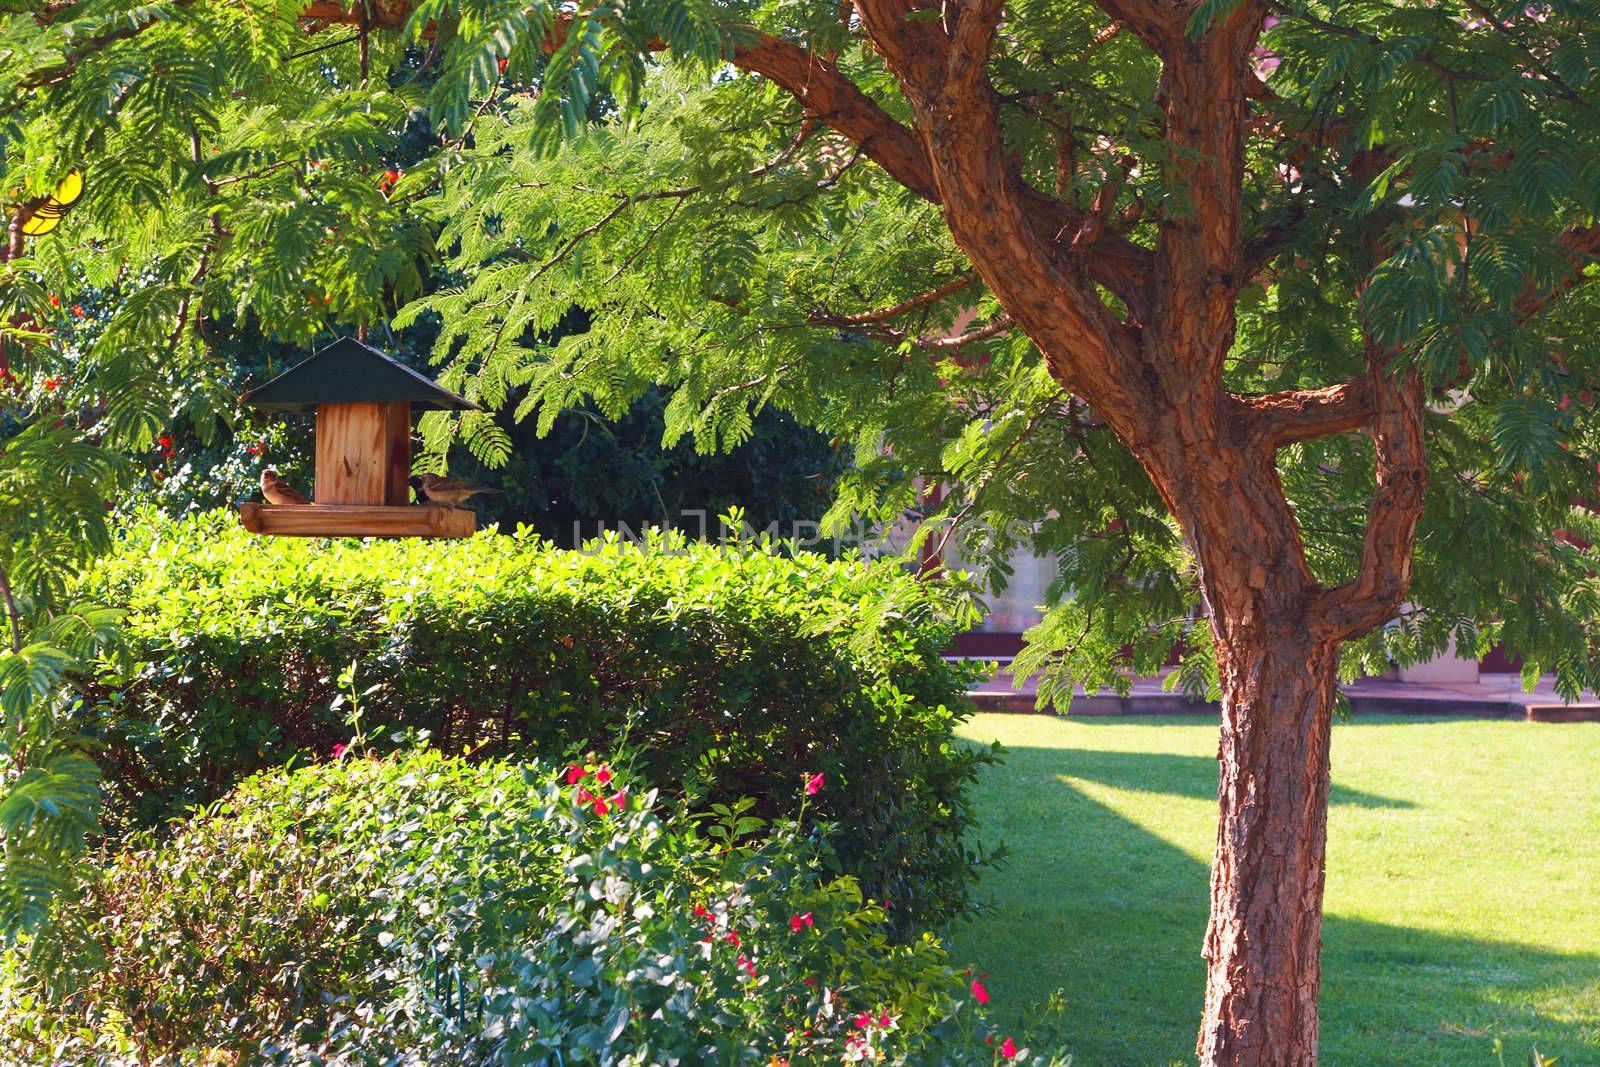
(69, 189)
(39, 225)
(47, 216)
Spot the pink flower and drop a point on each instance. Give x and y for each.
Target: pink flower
(603, 775)
(1008, 1049)
(574, 773)
(863, 1021)
(600, 806)
(885, 1021)
(813, 784)
(618, 797)
(796, 922)
(584, 796)
(339, 750)
(979, 993)
(746, 965)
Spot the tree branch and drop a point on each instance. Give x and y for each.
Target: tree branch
(1292, 415)
(1375, 594)
(1158, 25)
(944, 344)
(1205, 88)
(830, 97)
(933, 296)
(11, 611)
(90, 45)
(1421, 56)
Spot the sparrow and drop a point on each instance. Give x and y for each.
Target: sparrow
(278, 491)
(452, 491)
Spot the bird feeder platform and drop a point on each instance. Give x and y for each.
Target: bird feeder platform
(363, 402)
(355, 520)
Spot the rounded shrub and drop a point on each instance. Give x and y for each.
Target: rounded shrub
(421, 909)
(728, 669)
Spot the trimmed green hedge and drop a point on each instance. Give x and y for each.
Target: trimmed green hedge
(734, 671)
(421, 909)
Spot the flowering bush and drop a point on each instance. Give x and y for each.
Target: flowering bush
(420, 909)
(738, 666)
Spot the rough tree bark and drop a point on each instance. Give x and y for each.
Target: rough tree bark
(1264, 938)
(1153, 372)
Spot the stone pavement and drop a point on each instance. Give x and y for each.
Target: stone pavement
(1493, 696)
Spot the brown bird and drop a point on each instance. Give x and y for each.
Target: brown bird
(278, 491)
(452, 491)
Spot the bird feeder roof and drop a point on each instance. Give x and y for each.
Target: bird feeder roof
(349, 372)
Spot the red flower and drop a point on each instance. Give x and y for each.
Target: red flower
(746, 965)
(701, 912)
(603, 775)
(502, 66)
(77, 309)
(600, 806)
(338, 750)
(618, 797)
(796, 922)
(734, 937)
(1008, 1049)
(885, 1021)
(165, 442)
(584, 796)
(55, 301)
(256, 449)
(50, 383)
(811, 981)
(979, 993)
(574, 773)
(863, 1021)
(813, 784)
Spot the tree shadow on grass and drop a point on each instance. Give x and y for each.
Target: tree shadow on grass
(1097, 906)
(1171, 774)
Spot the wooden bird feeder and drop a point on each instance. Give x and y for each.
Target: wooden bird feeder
(363, 400)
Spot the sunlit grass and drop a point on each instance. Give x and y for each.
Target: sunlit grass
(1463, 900)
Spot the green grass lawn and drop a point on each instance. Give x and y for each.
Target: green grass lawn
(1463, 900)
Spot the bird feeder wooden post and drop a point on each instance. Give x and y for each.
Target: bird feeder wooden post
(363, 400)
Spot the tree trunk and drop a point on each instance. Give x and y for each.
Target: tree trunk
(1265, 938)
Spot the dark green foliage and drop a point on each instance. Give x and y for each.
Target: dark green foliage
(591, 470)
(427, 908)
(737, 670)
